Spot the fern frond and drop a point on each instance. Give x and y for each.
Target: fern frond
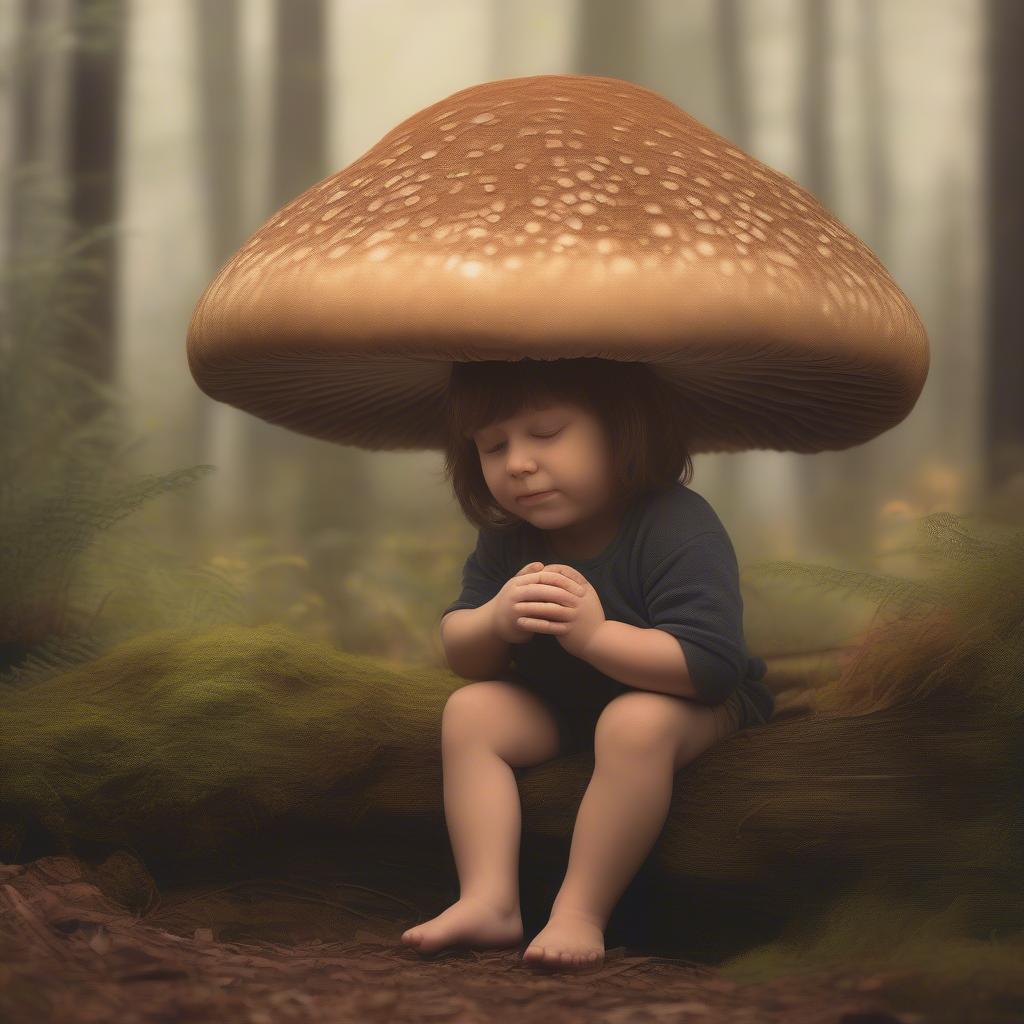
(62, 456)
(52, 656)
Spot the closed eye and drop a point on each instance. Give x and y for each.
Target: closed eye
(491, 451)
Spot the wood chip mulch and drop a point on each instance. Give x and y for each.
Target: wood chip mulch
(70, 954)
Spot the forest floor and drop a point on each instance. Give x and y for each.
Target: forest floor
(70, 953)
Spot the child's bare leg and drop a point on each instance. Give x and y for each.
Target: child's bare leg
(642, 738)
(487, 729)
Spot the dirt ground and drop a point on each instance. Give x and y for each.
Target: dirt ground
(69, 953)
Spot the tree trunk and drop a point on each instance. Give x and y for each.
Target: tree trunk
(848, 518)
(94, 152)
(1004, 423)
(35, 214)
(301, 486)
(608, 39)
(222, 167)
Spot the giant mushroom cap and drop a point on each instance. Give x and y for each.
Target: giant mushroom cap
(552, 217)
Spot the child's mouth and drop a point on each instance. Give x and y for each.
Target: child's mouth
(529, 499)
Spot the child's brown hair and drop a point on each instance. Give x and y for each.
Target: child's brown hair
(642, 414)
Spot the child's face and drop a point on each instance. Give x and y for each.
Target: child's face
(562, 448)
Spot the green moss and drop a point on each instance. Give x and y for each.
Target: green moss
(959, 958)
(175, 745)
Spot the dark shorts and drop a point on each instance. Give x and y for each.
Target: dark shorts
(576, 711)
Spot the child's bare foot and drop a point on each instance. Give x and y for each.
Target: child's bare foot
(467, 922)
(568, 941)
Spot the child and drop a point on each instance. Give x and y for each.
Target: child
(615, 594)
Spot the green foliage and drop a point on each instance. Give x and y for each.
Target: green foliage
(945, 538)
(62, 450)
(959, 628)
(71, 585)
(957, 955)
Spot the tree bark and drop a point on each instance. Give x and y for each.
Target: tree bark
(221, 166)
(1004, 410)
(94, 153)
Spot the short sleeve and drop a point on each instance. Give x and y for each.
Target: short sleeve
(483, 573)
(694, 595)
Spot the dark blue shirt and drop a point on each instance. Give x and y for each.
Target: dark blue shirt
(671, 566)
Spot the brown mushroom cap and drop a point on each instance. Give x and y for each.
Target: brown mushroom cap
(559, 216)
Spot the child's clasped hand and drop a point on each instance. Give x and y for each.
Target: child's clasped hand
(554, 599)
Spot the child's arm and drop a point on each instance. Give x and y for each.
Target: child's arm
(473, 648)
(648, 659)
(693, 595)
(480, 643)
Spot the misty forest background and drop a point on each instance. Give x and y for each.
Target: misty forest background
(143, 142)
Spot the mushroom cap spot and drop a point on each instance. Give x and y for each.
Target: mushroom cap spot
(780, 257)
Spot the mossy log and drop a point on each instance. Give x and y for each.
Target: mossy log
(175, 746)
